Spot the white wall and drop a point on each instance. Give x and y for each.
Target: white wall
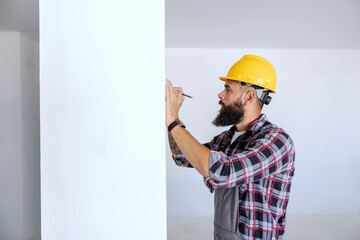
(19, 137)
(316, 103)
(102, 119)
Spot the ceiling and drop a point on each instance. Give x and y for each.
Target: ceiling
(20, 15)
(233, 23)
(263, 23)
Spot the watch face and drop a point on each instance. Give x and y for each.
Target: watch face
(181, 123)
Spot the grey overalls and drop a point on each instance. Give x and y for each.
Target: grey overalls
(226, 214)
(226, 204)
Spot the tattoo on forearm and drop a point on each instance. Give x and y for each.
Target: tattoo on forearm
(173, 146)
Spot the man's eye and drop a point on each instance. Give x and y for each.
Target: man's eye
(227, 90)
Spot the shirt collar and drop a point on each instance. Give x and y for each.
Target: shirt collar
(257, 124)
(254, 127)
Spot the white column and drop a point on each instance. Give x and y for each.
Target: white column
(102, 119)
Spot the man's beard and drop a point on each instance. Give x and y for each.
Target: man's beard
(229, 115)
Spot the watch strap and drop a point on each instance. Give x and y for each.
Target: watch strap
(174, 124)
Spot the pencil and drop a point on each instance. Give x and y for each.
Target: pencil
(186, 95)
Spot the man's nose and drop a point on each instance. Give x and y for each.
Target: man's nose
(220, 95)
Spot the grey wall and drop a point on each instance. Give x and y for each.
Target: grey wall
(30, 121)
(317, 93)
(10, 138)
(19, 137)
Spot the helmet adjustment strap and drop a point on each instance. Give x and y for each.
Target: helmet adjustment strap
(264, 98)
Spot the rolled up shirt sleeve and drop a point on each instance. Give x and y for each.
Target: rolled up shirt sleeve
(181, 161)
(270, 152)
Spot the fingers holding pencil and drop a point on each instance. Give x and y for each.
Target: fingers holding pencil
(180, 90)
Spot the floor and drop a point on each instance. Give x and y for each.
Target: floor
(326, 227)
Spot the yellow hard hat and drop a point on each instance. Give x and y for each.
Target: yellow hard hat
(253, 70)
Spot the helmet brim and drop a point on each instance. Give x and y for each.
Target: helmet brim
(223, 79)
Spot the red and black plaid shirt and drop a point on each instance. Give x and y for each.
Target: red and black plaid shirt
(261, 163)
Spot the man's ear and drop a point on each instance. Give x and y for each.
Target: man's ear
(249, 97)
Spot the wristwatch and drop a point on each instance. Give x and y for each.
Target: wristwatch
(175, 123)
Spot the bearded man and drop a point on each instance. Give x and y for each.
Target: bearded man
(250, 167)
